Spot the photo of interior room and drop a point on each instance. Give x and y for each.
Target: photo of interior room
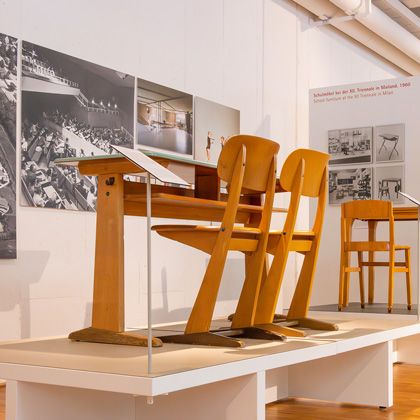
(70, 107)
(164, 118)
(353, 145)
(349, 184)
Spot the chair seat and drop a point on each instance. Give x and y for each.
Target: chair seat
(363, 246)
(200, 228)
(204, 237)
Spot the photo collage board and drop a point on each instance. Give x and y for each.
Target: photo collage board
(73, 108)
(366, 163)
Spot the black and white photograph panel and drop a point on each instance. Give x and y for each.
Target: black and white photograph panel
(349, 184)
(390, 143)
(70, 108)
(8, 95)
(213, 125)
(164, 118)
(389, 181)
(350, 145)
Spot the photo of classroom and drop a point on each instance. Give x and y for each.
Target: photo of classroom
(352, 145)
(164, 118)
(349, 184)
(70, 107)
(8, 93)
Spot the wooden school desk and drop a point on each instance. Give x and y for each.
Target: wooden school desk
(118, 197)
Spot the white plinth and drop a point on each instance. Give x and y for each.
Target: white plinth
(57, 379)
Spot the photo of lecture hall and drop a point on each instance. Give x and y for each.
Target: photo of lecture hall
(164, 118)
(8, 98)
(70, 108)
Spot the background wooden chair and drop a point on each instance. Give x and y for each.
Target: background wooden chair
(369, 210)
(248, 165)
(281, 242)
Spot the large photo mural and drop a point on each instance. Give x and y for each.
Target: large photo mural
(8, 98)
(70, 108)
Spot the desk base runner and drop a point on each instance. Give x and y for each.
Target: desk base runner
(98, 335)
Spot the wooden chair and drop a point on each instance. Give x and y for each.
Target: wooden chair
(282, 242)
(370, 210)
(248, 165)
(247, 314)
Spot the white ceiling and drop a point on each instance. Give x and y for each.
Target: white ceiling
(404, 12)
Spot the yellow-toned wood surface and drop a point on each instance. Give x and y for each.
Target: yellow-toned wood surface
(247, 164)
(371, 211)
(108, 290)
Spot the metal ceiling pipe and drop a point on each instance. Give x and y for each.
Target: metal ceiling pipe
(382, 25)
(325, 9)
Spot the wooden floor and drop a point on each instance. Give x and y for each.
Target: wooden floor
(406, 403)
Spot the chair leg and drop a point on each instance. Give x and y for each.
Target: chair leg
(202, 311)
(391, 280)
(361, 279)
(346, 289)
(346, 280)
(408, 277)
(371, 257)
(341, 281)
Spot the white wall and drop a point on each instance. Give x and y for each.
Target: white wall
(254, 55)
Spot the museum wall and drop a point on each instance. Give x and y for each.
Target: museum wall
(253, 55)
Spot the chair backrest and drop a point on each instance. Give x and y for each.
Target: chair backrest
(367, 210)
(259, 158)
(315, 167)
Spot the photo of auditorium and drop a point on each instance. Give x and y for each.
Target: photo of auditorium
(164, 118)
(70, 108)
(8, 92)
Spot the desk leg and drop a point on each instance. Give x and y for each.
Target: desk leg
(108, 292)
(371, 255)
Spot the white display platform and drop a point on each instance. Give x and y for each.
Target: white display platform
(56, 378)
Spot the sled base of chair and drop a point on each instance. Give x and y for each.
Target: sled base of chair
(98, 335)
(203, 339)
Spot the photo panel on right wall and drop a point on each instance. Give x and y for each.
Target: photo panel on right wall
(389, 181)
(389, 143)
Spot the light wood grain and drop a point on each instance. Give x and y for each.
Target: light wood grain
(108, 290)
(371, 211)
(248, 165)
